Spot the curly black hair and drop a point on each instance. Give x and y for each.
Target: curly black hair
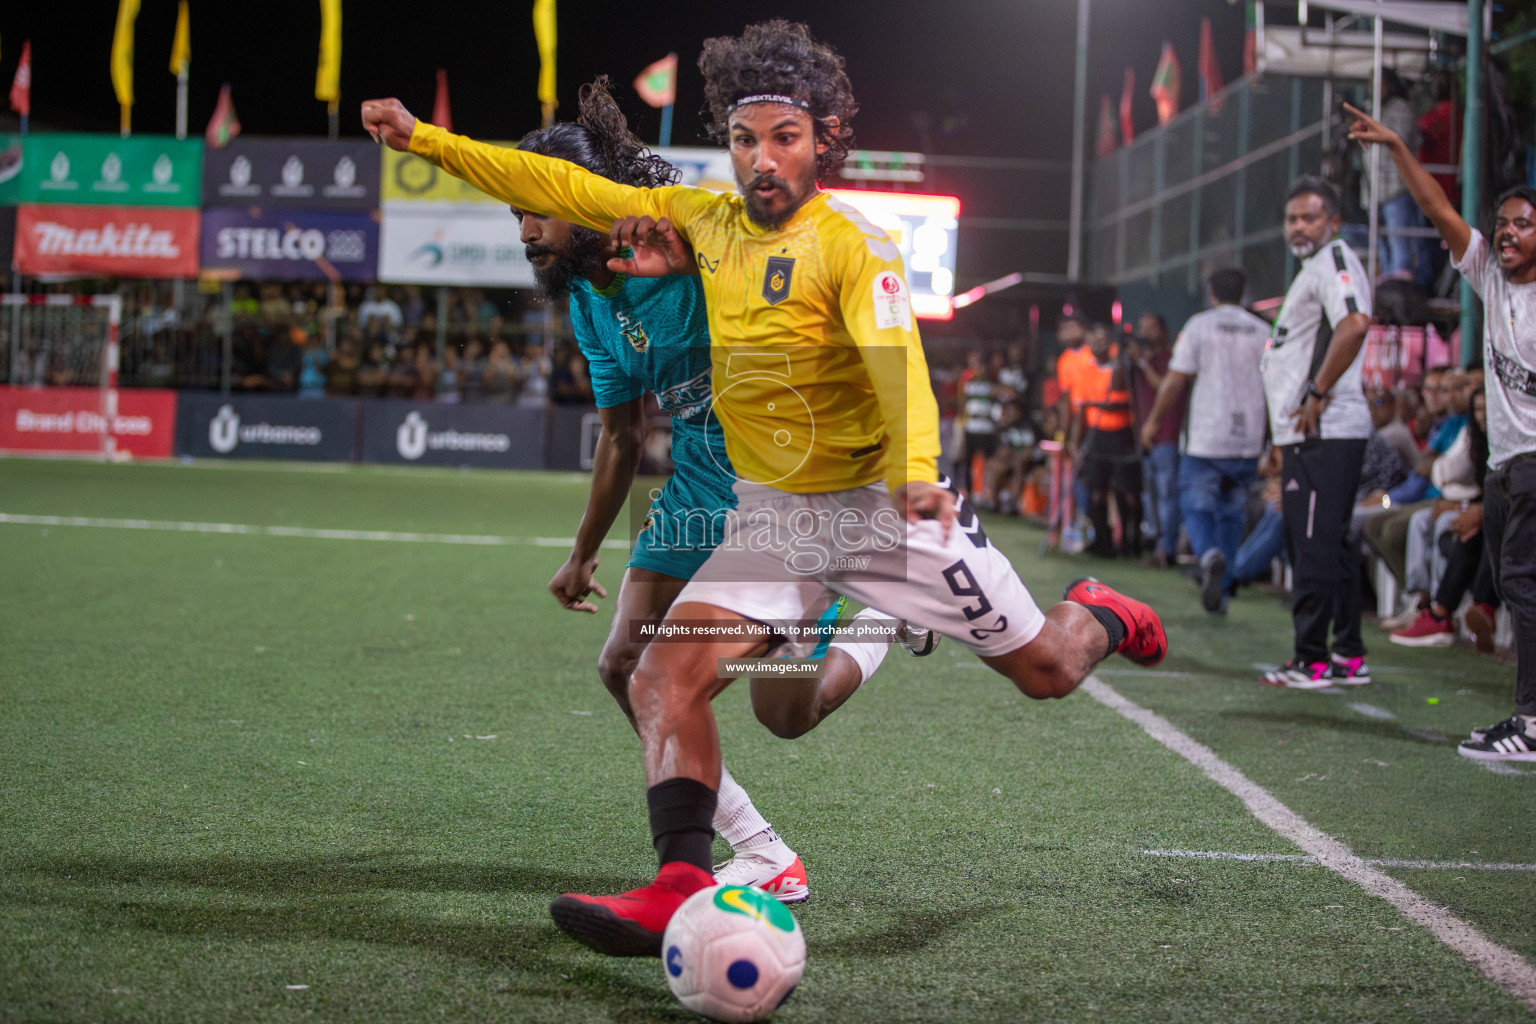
(781, 57)
(600, 140)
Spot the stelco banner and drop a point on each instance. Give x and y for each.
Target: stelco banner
(292, 172)
(432, 244)
(245, 427)
(289, 245)
(145, 170)
(428, 434)
(106, 241)
(70, 420)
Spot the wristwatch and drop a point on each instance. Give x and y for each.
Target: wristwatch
(1312, 391)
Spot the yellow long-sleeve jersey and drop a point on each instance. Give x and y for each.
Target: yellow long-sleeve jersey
(819, 377)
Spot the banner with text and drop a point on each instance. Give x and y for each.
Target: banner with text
(292, 172)
(70, 420)
(258, 427)
(431, 243)
(145, 170)
(289, 245)
(429, 434)
(12, 158)
(105, 241)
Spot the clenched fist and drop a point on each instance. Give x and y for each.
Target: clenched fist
(389, 123)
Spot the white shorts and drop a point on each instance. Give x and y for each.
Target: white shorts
(784, 557)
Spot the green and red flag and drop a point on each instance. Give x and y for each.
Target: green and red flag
(1165, 85)
(1210, 67)
(1107, 140)
(1127, 129)
(223, 126)
(657, 84)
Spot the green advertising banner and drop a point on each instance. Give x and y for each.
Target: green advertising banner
(144, 170)
(10, 169)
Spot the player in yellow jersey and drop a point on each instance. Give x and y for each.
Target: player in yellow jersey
(822, 394)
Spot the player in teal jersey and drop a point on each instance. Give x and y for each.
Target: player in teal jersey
(642, 334)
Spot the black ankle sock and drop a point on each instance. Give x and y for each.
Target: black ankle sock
(682, 821)
(1111, 623)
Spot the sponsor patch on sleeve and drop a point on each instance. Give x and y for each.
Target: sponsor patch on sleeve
(893, 306)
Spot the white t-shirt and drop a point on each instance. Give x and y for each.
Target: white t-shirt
(1221, 349)
(1331, 285)
(1509, 352)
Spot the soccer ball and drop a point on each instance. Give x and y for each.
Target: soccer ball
(733, 952)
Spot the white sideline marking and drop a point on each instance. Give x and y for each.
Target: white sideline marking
(297, 531)
(1381, 862)
(1504, 967)
(1372, 711)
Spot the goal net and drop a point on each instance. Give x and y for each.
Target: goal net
(58, 361)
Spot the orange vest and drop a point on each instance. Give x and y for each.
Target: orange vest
(1106, 406)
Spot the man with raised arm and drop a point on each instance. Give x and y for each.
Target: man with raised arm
(821, 391)
(1504, 276)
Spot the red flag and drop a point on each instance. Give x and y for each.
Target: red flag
(440, 115)
(21, 85)
(1210, 68)
(1127, 131)
(1107, 141)
(1165, 85)
(223, 126)
(657, 83)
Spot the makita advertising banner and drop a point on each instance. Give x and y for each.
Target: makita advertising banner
(145, 170)
(105, 241)
(71, 420)
(255, 427)
(292, 173)
(289, 245)
(429, 434)
(426, 243)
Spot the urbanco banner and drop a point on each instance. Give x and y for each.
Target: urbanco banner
(434, 434)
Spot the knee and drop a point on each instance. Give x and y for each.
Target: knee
(1045, 675)
(615, 665)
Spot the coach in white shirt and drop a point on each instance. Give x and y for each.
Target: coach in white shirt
(1505, 277)
(1320, 422)
(1219, 350)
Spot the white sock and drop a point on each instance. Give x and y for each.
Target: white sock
(735, 818)
(867, 653)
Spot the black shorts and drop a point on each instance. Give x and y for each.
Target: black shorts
(1111, 461)
(980, 442)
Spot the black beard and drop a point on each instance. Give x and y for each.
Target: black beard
(585, 256)
(763, 219)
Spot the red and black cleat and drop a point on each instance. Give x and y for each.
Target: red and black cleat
(1145, 642)
(631, 923)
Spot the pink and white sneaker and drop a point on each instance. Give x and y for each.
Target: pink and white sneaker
(1350, 671)
(772, 867)
(1300, 675)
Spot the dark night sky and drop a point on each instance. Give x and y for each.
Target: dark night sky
(992, 77)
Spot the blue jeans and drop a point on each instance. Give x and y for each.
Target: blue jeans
(1259, 548)
(1161, 500)
(1215, 501)
(1397, 251)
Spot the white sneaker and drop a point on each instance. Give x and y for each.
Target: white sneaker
(916, 640)
(772, 867)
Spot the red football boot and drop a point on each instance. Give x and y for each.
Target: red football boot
(1145, 642)
(631, 923)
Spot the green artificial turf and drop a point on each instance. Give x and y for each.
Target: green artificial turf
(231, 764)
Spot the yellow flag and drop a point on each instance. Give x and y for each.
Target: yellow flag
(544, 32)
(122, 56)
(181, 46)
(328, 74)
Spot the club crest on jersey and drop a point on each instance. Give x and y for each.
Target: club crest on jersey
(776, 279)
(634, 333)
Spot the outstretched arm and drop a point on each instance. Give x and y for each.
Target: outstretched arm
(528, 181)
(1426, 191)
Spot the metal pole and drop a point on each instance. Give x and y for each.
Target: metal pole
(1079, 130)
(227, 329)
(1472, 171)
(181, 103)
(442, 321)
(666, 125)
(1373, 248)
